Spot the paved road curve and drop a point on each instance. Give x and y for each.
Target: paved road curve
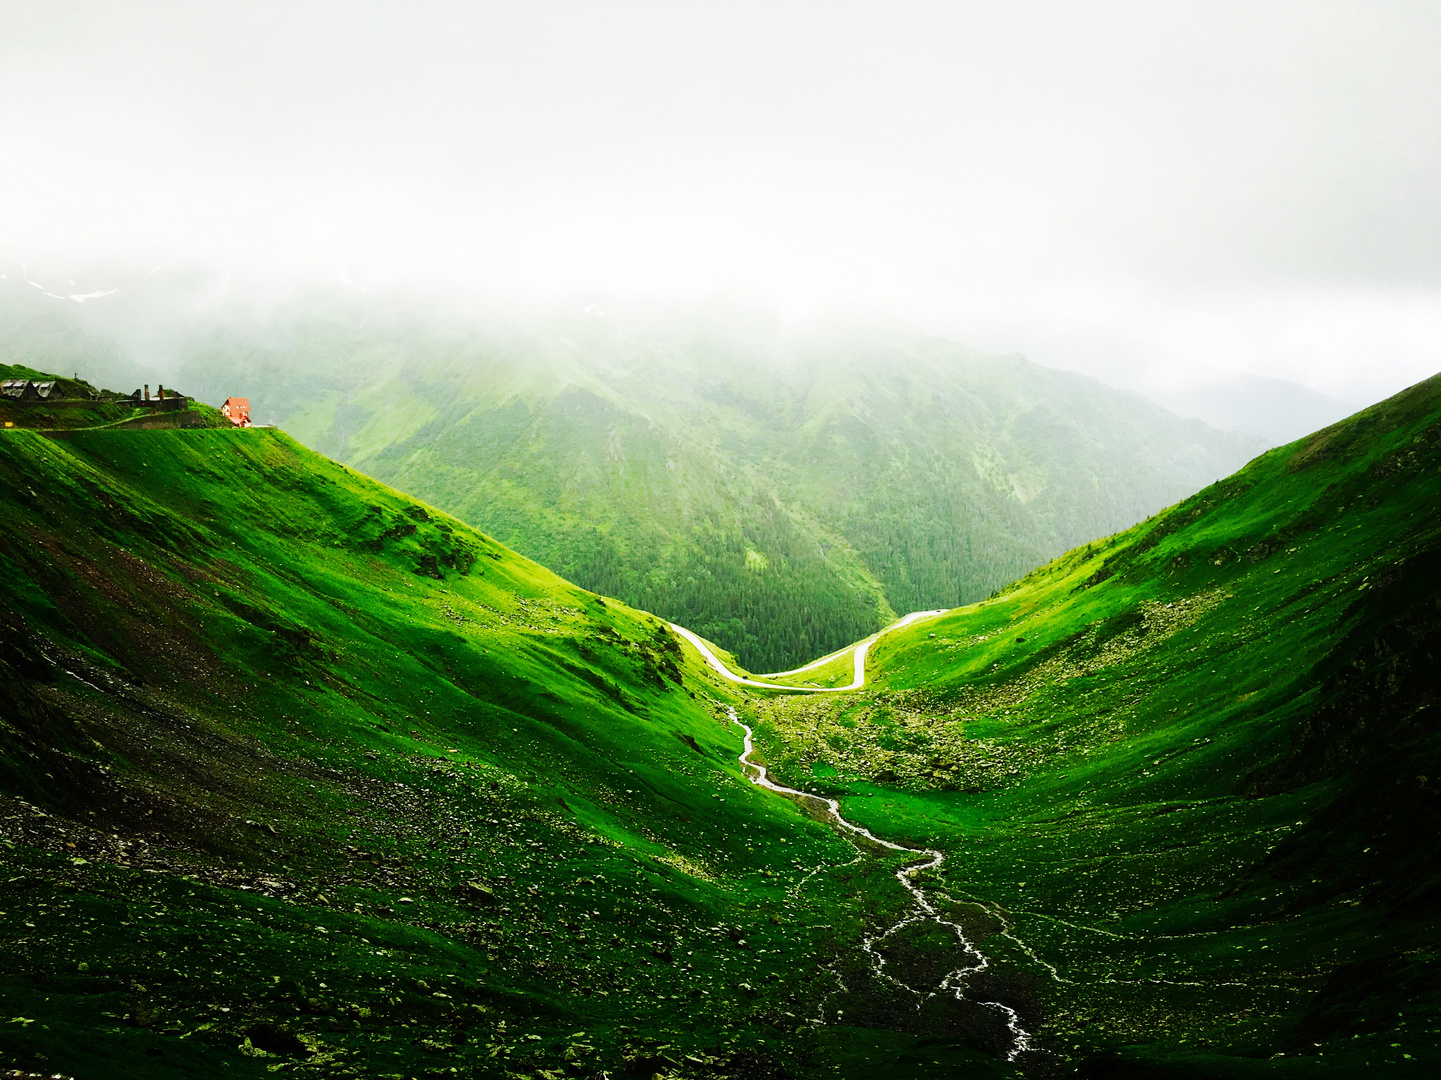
(861, 648)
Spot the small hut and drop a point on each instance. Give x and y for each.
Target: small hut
(237, 411)
(161, 402)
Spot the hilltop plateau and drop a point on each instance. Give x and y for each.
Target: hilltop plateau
(75, 404)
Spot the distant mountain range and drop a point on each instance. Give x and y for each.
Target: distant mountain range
(1273, 410)
(782, 494)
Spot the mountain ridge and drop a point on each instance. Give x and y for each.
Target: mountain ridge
(782, 490)
(1194, 754)
(711, 480)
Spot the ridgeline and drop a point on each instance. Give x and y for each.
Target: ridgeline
(780, 493)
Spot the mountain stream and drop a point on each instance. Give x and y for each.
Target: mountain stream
(922, 909)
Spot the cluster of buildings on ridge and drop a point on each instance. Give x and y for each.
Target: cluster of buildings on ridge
(35, 391)
(25, 390)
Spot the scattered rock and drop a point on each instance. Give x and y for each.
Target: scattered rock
(476, 893)
(275, 1039)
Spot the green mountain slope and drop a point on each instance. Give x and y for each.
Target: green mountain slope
(297, 773)
(300, 775)
(1186, 777)
(782, 494)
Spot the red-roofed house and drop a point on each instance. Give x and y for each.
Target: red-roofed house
(237, 409)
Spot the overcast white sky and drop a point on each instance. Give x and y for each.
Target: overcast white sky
(1144, 190)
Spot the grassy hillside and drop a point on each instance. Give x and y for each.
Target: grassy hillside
(782, 494)
(298, 774)
(1186, 776)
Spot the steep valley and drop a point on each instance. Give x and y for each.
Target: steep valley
(782, 493)
(299, 774)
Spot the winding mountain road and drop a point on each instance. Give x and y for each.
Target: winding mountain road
(860, 649)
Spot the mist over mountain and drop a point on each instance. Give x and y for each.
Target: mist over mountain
(1276, 411)
(761, 541)
(780, 489)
